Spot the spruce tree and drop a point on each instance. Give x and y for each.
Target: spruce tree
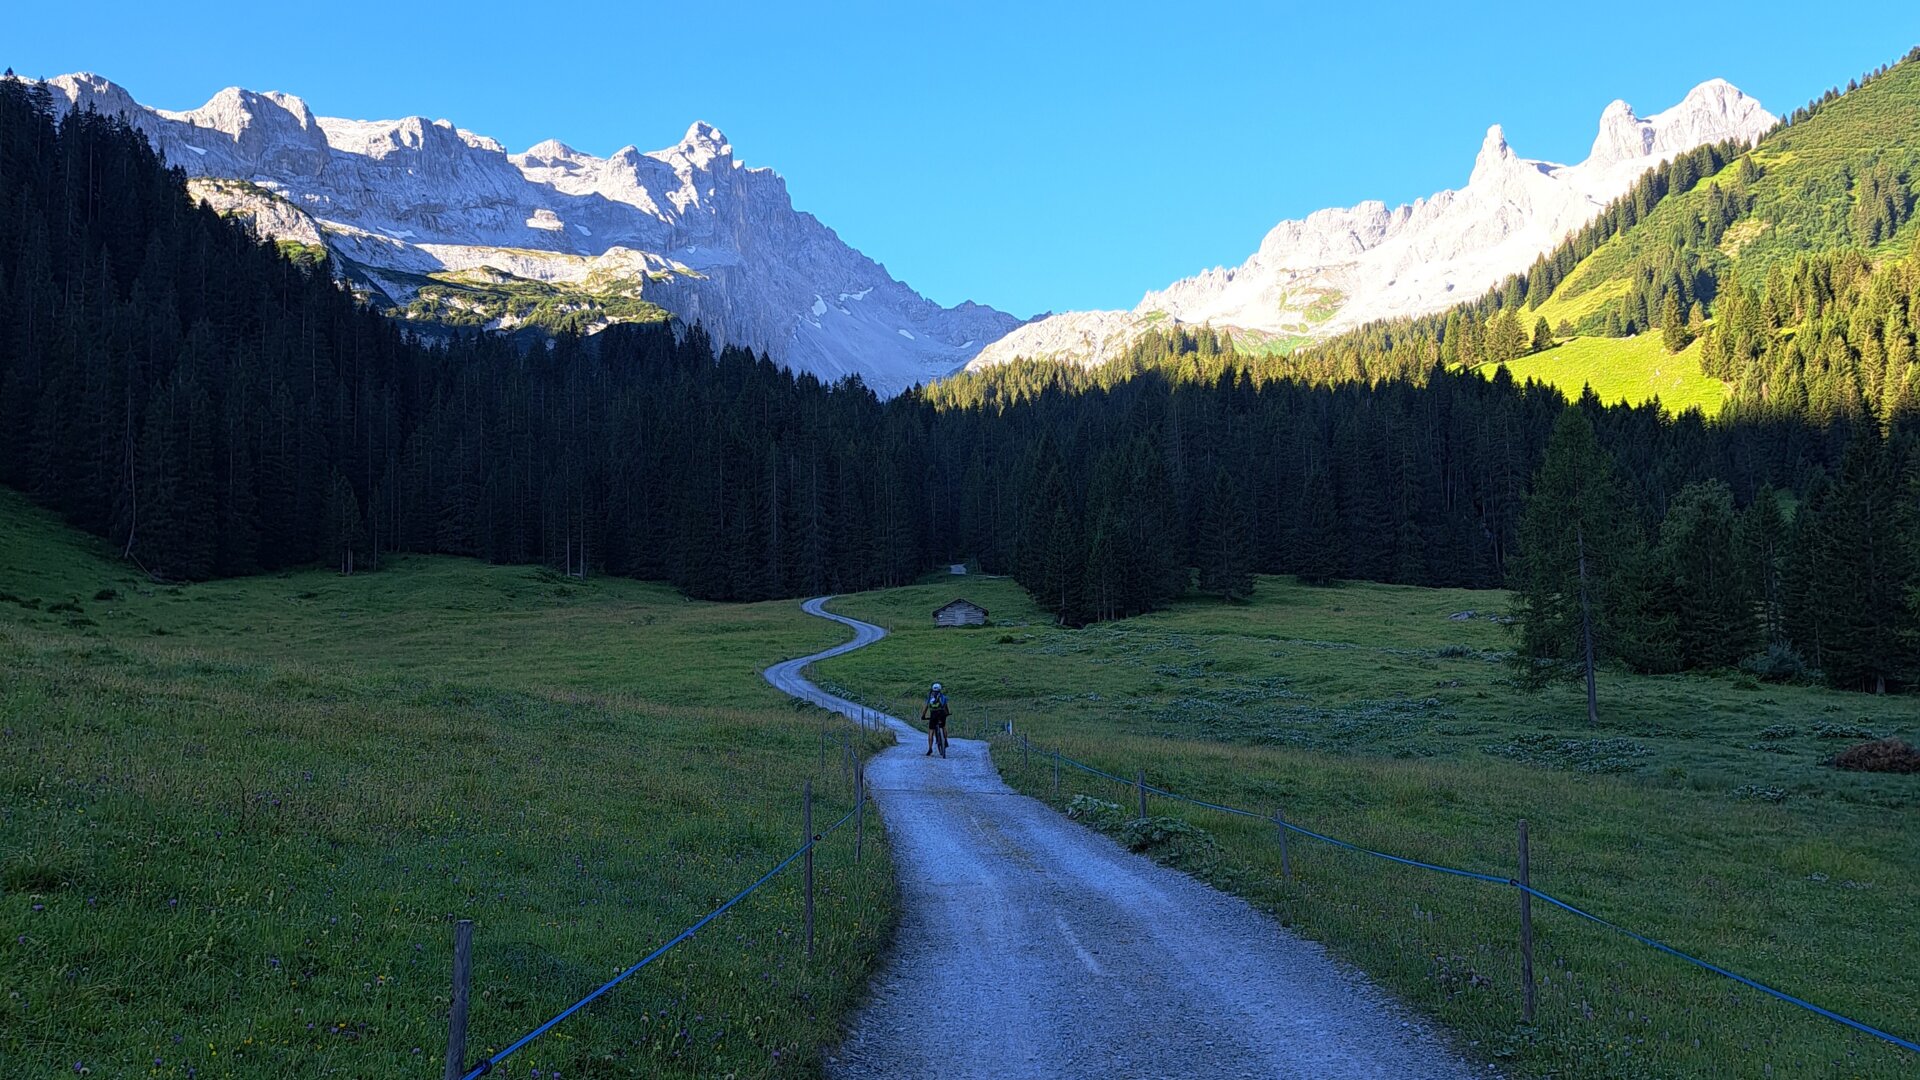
(1709, 597)
(1577, 545)
(1318, 549)
(1224, 555)
(343, 544)
(1507, 341)
(1061, 563)
(1760, 543)
(1542, 335)
(1862, 568)
(1673, 325)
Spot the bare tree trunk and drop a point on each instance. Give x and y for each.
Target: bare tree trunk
(1586, 629)
(133, 486)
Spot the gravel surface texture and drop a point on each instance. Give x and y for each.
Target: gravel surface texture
(1031, 946)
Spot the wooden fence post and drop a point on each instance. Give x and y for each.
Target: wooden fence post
(1023, 751)
(1286, 856)
(806, 827)
(457, 1016)
(859, 811)
(1140, 785)
(1056, 772)
(1526, 928)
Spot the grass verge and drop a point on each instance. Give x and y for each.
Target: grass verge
(238, 819)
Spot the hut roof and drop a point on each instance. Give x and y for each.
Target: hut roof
(959, 602)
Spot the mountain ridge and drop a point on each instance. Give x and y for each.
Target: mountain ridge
(1338, 268)
(411, 204)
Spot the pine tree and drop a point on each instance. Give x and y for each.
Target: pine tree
(1060, 567)
(1542, 335)
(1224, 556)
(1673, 325)
(1578, 543)
(1318, 550)
(1709, 596)
(1862, 569)
(344, 541)
(1760, 543)
(1507, 341)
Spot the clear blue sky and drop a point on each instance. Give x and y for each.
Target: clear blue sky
(1031, 155)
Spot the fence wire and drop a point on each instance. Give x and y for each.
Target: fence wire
(487, 1066)
(1497, 879)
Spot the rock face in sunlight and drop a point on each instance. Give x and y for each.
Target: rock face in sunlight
(402, 204)
(1337, 269)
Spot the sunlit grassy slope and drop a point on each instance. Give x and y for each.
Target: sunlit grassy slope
(1698, 811)
(238, 819)
(1635, 370)
(1803, 201)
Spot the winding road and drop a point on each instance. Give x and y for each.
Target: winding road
(1030, 946)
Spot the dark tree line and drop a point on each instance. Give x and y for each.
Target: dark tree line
(1107, 493)
(1832, 588)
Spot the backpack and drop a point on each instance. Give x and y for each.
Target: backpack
(937, 707)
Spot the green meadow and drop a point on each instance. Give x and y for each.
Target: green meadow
(1635, 370)
(1699, 812)
(239, 819)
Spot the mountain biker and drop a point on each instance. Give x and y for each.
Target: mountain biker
(934, 715)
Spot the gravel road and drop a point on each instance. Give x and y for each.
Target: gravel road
(1031, 946)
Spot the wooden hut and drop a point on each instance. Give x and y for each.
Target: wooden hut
(960, 613)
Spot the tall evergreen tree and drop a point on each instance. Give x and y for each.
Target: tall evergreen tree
(1673, 324)
(1318, 547)
(1862, 568)
(1224, 555)
(344, 543)
(1709, 598)
(1760, 542)
(1578, 543)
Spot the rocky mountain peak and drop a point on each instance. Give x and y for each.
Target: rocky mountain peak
(241, 114)
(700, 147)
(1622, 135)
(551, 150)
(1494, 153)
(1706, 114)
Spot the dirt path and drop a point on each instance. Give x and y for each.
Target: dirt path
(1030, 946)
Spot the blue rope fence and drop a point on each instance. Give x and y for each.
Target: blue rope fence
(1496, 879)
(487, 1066)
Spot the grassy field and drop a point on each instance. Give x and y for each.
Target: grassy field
(1635, 370)
(1698, 812)
(238, 819)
